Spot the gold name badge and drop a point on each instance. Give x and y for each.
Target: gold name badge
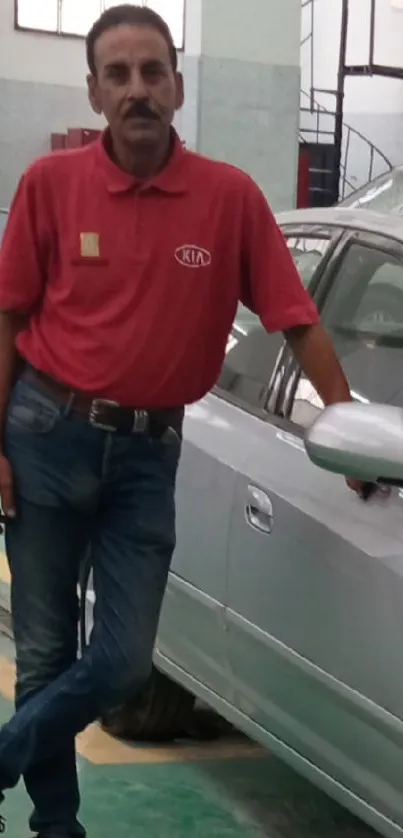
(89, 245)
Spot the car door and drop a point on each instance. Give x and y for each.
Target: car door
(315, 616)
(217, 443)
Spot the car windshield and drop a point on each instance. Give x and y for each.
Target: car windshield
(384, 194)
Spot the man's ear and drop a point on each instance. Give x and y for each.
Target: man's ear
(180, 91)
(93, 94)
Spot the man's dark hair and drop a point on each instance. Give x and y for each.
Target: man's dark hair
(128, 15)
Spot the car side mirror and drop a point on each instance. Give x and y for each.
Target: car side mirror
(359, 440)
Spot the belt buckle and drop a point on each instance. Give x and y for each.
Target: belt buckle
(96, 405)
(140, 421)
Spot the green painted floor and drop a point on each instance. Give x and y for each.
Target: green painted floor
(249, 798)
(227, 800)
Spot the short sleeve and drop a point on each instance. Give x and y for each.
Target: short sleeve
(24, 251)
(271, 284)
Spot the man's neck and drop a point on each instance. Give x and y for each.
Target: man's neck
(142, 162)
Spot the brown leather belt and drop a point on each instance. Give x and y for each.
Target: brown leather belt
(109, 415)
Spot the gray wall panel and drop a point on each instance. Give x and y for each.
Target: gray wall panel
(244, 113)
(188, 118)
(249, 115)
(29, 113)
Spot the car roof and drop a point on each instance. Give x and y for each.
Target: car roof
(354, 219)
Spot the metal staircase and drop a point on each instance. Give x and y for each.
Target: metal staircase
(323, 130)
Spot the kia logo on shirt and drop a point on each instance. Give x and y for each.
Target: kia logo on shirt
(192, 256)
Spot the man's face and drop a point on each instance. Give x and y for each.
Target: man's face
(135, 86)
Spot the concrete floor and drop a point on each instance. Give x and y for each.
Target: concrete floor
(226, 789)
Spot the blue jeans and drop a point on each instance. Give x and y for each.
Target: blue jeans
(78, 487)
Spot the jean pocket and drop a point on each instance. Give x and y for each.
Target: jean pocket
(31, 411)
(168, 448)
(171, 437)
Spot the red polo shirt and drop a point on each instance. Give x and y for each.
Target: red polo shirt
(133, 286)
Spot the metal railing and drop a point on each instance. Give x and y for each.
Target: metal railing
(316, 131)
(327, 126)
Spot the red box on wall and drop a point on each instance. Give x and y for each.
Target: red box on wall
(57, 141)
(77, 137)
(303, 196)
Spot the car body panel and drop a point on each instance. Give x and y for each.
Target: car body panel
(330, 693)
(295, 759)
(216, 444)
(311, 624)
(312, 608)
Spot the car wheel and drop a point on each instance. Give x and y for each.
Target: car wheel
(161, 712)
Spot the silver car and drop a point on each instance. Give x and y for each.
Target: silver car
(284, 607)
(383, 194)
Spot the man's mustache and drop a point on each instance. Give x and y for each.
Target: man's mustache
(140, 110)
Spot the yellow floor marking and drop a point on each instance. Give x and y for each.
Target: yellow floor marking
(7, 678)
(4, 570)
(99, 748)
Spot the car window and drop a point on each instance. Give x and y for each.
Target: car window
(364, 317)
(251, 352)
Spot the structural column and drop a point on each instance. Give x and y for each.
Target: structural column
(248, 83)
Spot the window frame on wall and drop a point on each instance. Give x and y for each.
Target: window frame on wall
(60, 33)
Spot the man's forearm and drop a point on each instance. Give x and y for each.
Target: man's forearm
(316, 356)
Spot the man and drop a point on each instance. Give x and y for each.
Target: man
(117, 329)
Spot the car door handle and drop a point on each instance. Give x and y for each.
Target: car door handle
(259, 510)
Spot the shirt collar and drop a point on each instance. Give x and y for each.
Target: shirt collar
(171, 179)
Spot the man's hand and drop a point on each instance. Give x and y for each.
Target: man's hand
(315, 354)
(7, 488)
(356, 486)
(11, 323)
(364, 490)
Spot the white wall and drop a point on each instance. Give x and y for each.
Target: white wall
(241, 71)
(25, 56)
(43, 90)
(249, 90)
(193, 27)
(49, 59)
(363, 95)
(250, 30)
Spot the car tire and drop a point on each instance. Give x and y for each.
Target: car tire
(161, 712)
